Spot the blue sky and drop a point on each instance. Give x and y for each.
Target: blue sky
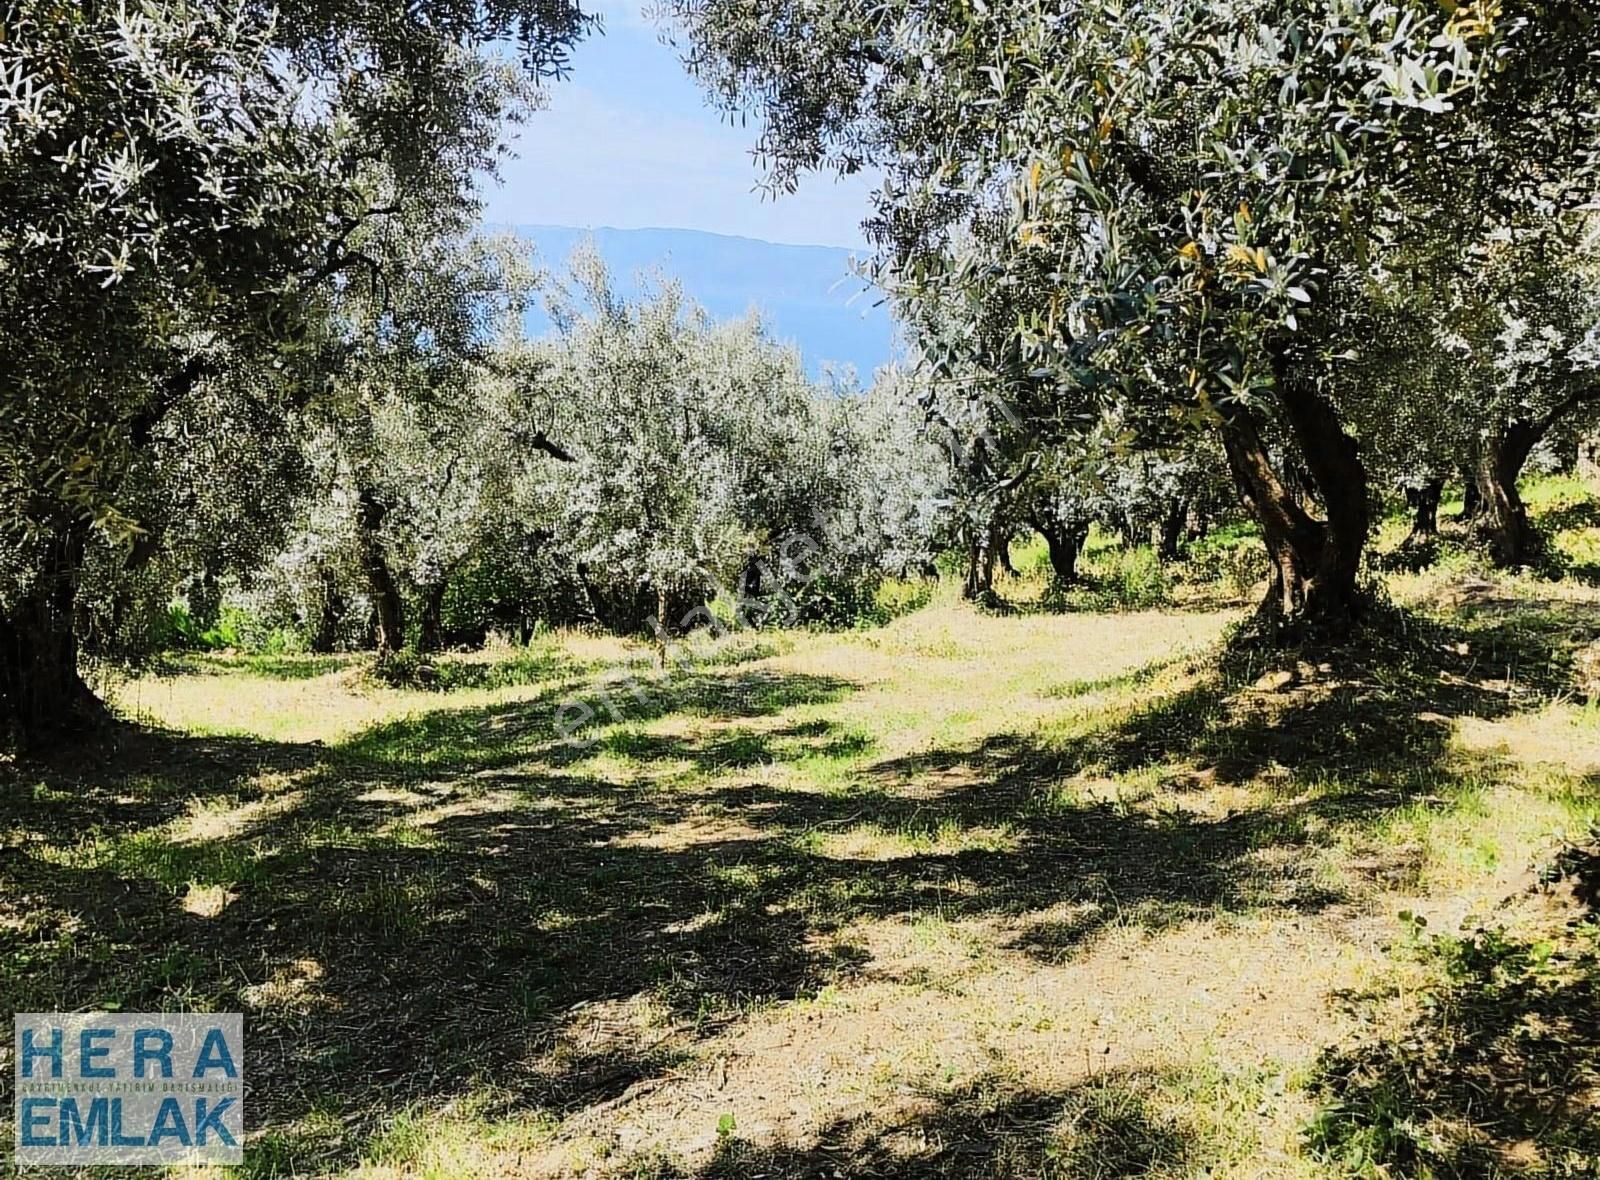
(628, 141)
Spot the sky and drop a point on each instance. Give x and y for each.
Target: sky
(628, 141)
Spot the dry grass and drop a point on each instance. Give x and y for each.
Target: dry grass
(966, 895)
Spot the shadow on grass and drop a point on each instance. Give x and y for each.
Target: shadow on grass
(1105, 1128)
(268, 667)
(1379, 708)
(1585, 572)
(738, 748)
(1571, 514)
(1090, 594)
(408, 916)
(567, 718)
(435, 907)
(1498, 1075)
(520, 667)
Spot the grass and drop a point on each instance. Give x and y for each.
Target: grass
(965, 895)
(1497, 1072)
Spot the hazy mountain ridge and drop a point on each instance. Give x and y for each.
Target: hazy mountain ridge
(808, 294)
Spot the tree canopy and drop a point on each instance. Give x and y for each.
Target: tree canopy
(180, 187)
(1176, 209)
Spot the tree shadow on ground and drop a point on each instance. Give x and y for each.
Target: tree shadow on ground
(1091, 595)
(567, 718)
(1379, 706)
(1348, 740)
(405, 917)
(463, 902)
(1105, 1128)
(1499, 1072)
(133, 777)
(1573, 514)
(267, 667)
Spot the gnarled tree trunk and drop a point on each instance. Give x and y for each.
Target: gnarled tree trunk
(1314, 562)
(1065, 544)
(1471, 501)
(43, 699)
(1003, 554)
(1502, 518)
(430, 622)
(330, 606)
(982, 546)
(1424, 502)
(1171, 528)
(386, 599)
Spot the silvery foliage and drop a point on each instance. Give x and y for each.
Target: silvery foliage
(696, 457)
(651, 502)
(214, 489)
(1177, 204)
(179, 185)
(1145, 484)
(1511, 335)
(899, 512)
(426, 408)
(314, 574)
(1006, 467)
(703, 451)
(424, 412)
(1544, 357)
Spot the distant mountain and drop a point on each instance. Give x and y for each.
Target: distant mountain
(808, 293)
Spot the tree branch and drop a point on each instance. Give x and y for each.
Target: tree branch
(1566, 406)
(540, 442)
(142, 426)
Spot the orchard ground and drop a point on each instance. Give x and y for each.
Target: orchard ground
(974, 893)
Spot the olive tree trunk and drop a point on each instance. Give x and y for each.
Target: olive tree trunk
(1003, 553)
(983, 543)
(43, 698)
(1424, 502)
(1315, 562)
(1502, 517)
(1171, 528)
(386, 598)
(1065, 544)
(430, 620)
(1471, 501)
(329, 608)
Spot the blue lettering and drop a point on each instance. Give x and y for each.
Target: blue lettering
(118, 1139)
(88, 1052)
(31, 1120)
(214, 1055)
(162, 1053)
(169, 1124)
(211, 1120)
(31, 1051)
(76, 1131)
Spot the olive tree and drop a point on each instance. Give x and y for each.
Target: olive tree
(678, 472)
(1184, 205)
(705, 462)
(429, 413)
(179, 188)
(898, 504)
(1471, 373)
(1528, 363)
